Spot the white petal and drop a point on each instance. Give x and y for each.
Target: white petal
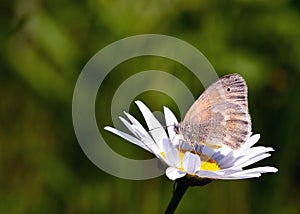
(174, 173)
(233, 174)
(170, 121)
(155, 128)
(209, 152)
(253, 153)
(250, 142)
(230, 171)
(256, 170)
(225, 161)
(217, 156)
(146, 142)
(209, 174)
(253, 160)
(176, 140)
(171, 153)
(134, 121)
(139, 132)
(191, 163)
(127, 137)
(184, 146)
(224, 150)
(238, 177)
(130, 127)
(150, 119)
(143, 135)
(257, 150)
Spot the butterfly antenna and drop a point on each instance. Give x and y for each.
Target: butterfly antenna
(165, 127)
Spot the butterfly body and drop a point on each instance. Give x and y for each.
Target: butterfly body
(220, 115)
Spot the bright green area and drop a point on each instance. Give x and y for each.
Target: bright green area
(45, 44)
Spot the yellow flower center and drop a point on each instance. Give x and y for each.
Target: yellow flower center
(210, 165)
(181, 154)
(164, 155)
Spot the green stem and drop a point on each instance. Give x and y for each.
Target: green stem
(178, 193)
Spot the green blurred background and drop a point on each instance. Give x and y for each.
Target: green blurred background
(44, 46)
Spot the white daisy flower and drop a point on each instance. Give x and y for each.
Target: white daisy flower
(193, 165)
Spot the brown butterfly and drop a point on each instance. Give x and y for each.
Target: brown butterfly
(219, 116)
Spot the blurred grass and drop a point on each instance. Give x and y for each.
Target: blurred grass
(45, 44)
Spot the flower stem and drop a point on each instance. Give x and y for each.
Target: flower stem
(177, 195)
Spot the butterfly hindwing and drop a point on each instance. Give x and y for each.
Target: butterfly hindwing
(220, 115)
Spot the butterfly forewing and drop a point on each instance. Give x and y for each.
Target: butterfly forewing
(220, 115)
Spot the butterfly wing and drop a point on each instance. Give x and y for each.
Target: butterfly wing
(220, 115)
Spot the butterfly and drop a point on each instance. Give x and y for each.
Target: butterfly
(220, 116)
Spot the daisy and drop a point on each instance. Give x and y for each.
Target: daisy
(193, 165)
